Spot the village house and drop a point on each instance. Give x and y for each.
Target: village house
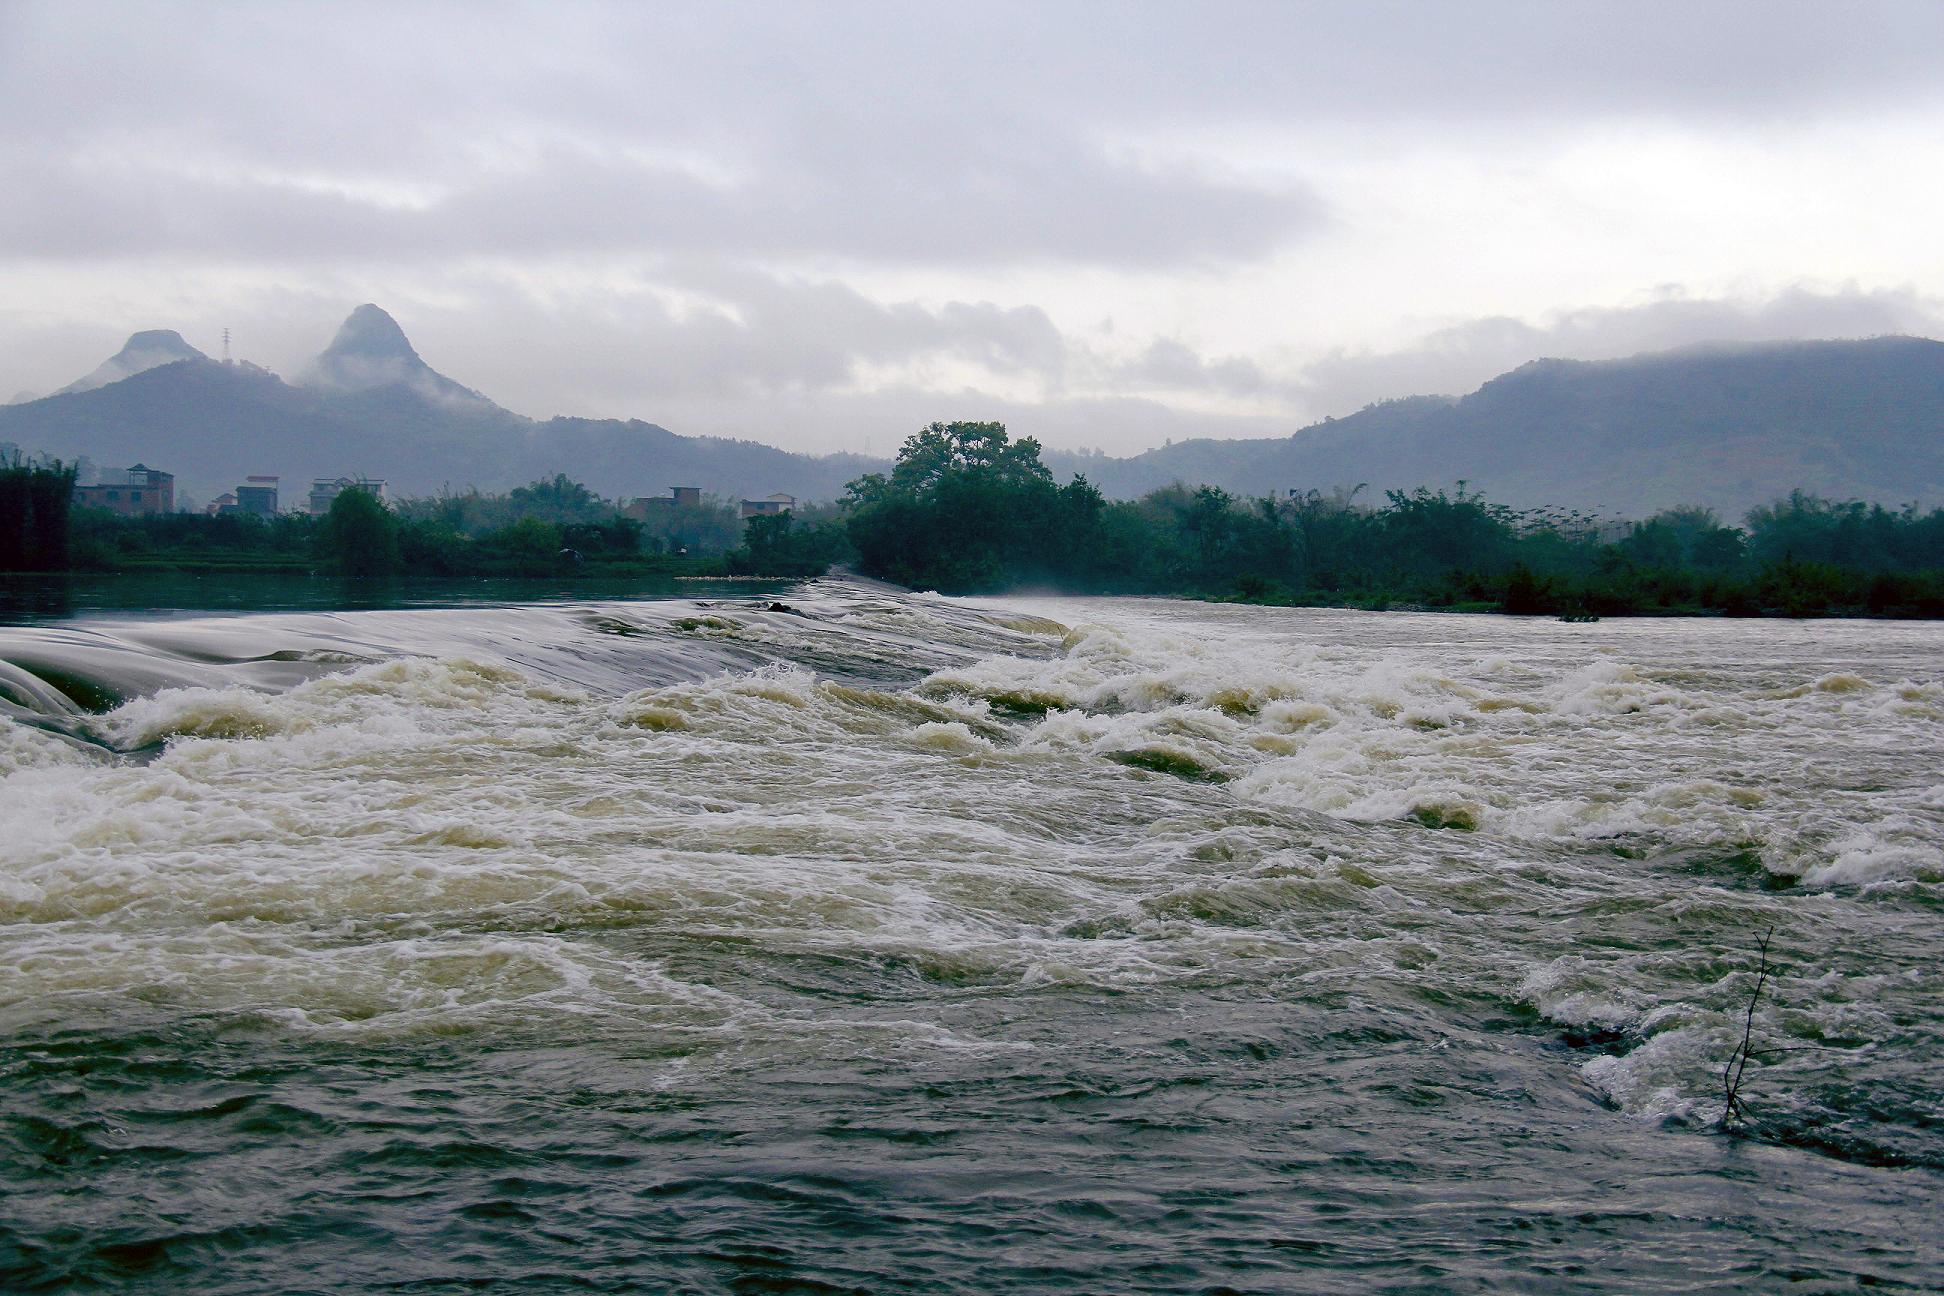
(778, 503)
(643, 507)
(257, 497)
(141, 491)
(325, 490)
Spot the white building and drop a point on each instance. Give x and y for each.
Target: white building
(325, 490)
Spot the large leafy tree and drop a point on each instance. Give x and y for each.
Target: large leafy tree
(360, 536)
(944, 452)
(558, 499)
(967, 508)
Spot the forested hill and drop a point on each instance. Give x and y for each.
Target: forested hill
(1727, 427)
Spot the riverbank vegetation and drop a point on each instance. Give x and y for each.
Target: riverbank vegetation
(968, 510)
(34, 499)
(552, 527)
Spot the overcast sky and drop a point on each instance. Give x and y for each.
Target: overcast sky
(820, 225)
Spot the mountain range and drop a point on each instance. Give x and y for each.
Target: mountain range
(370, 406)
(1728, 427)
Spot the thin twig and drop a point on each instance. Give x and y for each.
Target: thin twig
(1731, 1075)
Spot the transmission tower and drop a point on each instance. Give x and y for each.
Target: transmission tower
(226, 353)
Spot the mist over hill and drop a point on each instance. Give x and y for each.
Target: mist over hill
(372, 354)
(143, 351)
(1728, 427)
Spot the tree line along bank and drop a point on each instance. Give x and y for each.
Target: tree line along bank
(968, 509)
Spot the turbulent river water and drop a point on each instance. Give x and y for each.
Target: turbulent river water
(875, 942)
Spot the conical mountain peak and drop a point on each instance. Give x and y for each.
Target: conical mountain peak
(371, 353)
(159, 342)
(145, 350)
(371, 333)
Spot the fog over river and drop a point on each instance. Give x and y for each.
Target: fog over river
(876, 942)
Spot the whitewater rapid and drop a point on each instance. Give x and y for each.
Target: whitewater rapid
(1076, 899)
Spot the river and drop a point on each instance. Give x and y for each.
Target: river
(847, 940)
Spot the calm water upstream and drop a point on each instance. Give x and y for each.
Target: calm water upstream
(886, 943)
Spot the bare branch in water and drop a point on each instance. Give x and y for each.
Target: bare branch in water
(1733, 1113)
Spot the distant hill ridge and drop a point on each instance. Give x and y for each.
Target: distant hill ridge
(1725, 426)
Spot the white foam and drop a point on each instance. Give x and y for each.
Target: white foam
(450, 841)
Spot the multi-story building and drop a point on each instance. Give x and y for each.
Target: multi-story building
(778, 503)
(325, 490)
(257, 496)
(141, 491)
(643, 508)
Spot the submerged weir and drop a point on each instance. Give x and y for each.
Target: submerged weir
(851, 940)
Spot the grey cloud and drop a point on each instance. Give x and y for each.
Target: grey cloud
(702, 147)
(1170, 364)
(739, 335)
(1059, 202)
(962, 135)
(877, 421)
(656, 136)
(772, 336)
(755, 334)
(1457, 359)
(399, 77)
